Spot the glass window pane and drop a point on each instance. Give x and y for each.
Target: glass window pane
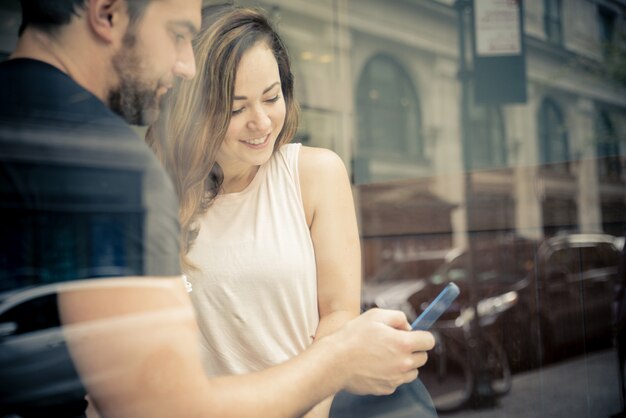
(528, 229)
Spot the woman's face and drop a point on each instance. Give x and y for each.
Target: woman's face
(258, 111)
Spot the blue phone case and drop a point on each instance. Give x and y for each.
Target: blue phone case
(436, 308)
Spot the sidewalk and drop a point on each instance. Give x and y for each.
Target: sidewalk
(582, 387)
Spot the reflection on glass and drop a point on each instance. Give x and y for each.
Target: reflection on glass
(378, 83)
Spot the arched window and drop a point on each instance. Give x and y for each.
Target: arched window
(553, 140)
(388, 111)
(607, 148)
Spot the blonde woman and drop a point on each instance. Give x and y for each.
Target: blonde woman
(269, 233)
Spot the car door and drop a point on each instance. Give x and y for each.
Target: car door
(35, 365)
(598, 270)
(560, 297)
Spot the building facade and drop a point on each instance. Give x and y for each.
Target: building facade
(378, 83)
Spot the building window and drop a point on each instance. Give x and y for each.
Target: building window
(389, 119)
(553, 140)
(606, 26)
(487, 135)
(607, 148)
(552, 21)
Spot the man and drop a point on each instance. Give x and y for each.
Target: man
(84, 198)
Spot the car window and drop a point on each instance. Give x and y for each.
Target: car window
(591, 258)
(33, 314)
(557, 266)
(610, 255)
(456, 274)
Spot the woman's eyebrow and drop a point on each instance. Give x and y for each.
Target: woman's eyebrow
(264, 91)
(186, 25)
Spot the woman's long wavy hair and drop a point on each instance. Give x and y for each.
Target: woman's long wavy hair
(195, 115)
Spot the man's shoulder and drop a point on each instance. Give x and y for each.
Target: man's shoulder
(47, 116)
(32, 71)
(33, 77)
(35, 93)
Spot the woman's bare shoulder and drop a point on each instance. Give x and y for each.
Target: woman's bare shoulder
(319, 163)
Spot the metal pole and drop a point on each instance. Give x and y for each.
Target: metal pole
(482, 391)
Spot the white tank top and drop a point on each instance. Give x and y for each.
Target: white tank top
(256, 290)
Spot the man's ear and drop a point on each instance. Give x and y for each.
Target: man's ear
(107, 18)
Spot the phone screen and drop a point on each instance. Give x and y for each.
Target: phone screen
(438, 306)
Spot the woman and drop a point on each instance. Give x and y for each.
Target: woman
(269, 234)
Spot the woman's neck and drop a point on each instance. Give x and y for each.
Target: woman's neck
(236, 180)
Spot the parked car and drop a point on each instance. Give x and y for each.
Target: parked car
(36, 368)
(563, 289)
(448, 375)
(35, 365)
(537, 301)
(575, 286)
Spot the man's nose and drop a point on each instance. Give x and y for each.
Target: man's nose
(185, 66)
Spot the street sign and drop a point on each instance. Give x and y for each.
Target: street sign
(498, 52)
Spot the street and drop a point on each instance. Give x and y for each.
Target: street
(581, 387)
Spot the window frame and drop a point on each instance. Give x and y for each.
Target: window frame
(553, 21)
(548, 135)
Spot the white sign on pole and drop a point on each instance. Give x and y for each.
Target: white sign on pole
(497, 27)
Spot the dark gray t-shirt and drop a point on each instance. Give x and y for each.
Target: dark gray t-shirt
(81, 195)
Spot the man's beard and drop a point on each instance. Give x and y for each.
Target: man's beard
(134, 99)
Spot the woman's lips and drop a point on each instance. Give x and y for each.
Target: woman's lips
(256, 142)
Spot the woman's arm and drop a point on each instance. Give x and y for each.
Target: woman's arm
(329, 208)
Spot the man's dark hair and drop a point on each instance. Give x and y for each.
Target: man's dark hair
(49, 15)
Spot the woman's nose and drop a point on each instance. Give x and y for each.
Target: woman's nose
(260, 120)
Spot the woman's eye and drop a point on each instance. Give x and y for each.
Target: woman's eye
(179, 37)
(236, 111)
(273, 99)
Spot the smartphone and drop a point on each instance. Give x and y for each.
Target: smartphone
(438, 306)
